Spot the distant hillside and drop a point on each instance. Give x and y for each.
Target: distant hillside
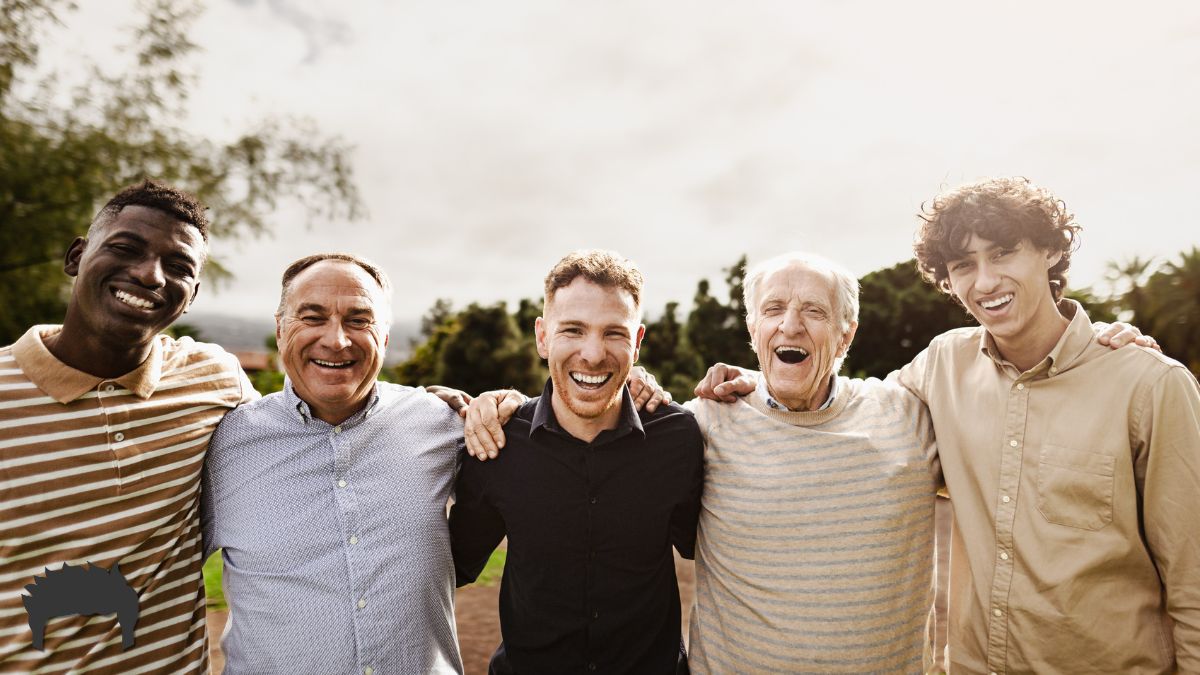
(236, 333)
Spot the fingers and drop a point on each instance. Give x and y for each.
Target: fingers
(481, 443)
(1148, 341)
(457, 400)
(716, 375)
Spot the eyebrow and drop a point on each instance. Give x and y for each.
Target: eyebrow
(139, 239)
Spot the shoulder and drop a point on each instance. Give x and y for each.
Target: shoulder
(419, 410)
(672, 425)
(260, 417)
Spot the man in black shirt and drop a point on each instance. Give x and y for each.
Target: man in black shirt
(591, 494)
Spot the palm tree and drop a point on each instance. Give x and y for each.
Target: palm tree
(1170, 308)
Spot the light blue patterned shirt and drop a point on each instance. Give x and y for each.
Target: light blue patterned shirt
(337, 556)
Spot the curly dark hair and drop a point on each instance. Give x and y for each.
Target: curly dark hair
(1006, 211)
(159, 196)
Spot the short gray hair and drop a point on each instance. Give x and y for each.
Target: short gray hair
(373, 270)
(845, 284)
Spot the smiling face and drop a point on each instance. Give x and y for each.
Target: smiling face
(590, 337)
(134, 277)
(1007, 290)
(797, 335)
(331, 337)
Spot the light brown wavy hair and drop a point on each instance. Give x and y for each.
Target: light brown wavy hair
(603, 268)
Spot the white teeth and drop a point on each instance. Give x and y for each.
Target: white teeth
(992, 304)
(134, 300)
(331, 364)
(787, 348)
(589, 379)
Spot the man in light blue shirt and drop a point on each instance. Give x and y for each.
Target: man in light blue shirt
(329, 498)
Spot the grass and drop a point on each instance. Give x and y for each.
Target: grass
(212, 582)
(493, 569)
(216, 595)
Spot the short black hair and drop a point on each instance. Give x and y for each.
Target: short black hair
(159, 196)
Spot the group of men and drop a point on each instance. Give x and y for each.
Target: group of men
(806, 497)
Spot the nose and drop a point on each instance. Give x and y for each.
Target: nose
(986, 278)
(592, 350)
(793, 322)
(148, 272)
(334, 336)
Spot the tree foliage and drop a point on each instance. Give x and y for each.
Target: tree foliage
(476, 349)
(1167, 306)
(899, 313)
(65, 151)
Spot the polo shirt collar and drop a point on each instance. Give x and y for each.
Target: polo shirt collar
(300, 409)
(543, 416)
(64, 383)
(1070, 346)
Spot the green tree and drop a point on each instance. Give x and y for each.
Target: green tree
(667, 354)
(1170, 308)
(716, 330)
(899, 313)
(66, 151)
(477, 349)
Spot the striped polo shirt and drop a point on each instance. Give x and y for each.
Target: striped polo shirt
(107, 472)
(815, 546)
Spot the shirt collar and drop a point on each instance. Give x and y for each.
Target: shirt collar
(1071, 344)
(543, 417)
(64, 383)
(299, 407)
(776, 405)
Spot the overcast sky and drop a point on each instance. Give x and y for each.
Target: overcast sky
(493, 137)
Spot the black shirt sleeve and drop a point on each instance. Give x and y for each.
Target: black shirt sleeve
(686, 515)
(476, 527)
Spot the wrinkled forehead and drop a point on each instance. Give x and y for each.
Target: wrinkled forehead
(796, 282)
(336, 286)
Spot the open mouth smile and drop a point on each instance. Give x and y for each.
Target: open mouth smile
(790, 354)
(134, 301)
(996, 303)
(590, 381)
(332, 364)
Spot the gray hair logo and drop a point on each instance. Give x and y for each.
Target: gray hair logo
(81, 590)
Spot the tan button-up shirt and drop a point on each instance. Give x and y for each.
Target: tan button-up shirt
(1076, 494)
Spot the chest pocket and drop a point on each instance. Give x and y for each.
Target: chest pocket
(1075, 488)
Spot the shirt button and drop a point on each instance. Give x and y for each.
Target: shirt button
(1003, 555)
(595, 614)
(593, 500)
(362, 603)
(118, 436)
(368, 670)
(1053, 369)
(592, 665)
(337, 429)
(342, 483)
(1006, 499)
(109, 387)
(997, 612)
(353, 539)
(1013, 443)
(1020, 387)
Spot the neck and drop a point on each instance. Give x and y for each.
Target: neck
(1029, 348)
(93, 355)
(585, 429)
(805, 403)
(336, 416)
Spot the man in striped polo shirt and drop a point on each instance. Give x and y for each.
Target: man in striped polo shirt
(103, 428)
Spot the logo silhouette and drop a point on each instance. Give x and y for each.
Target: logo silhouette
(81, 590)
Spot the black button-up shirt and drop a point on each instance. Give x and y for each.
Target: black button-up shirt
(589, 583)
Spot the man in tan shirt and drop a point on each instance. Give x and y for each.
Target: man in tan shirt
(1073, 469)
